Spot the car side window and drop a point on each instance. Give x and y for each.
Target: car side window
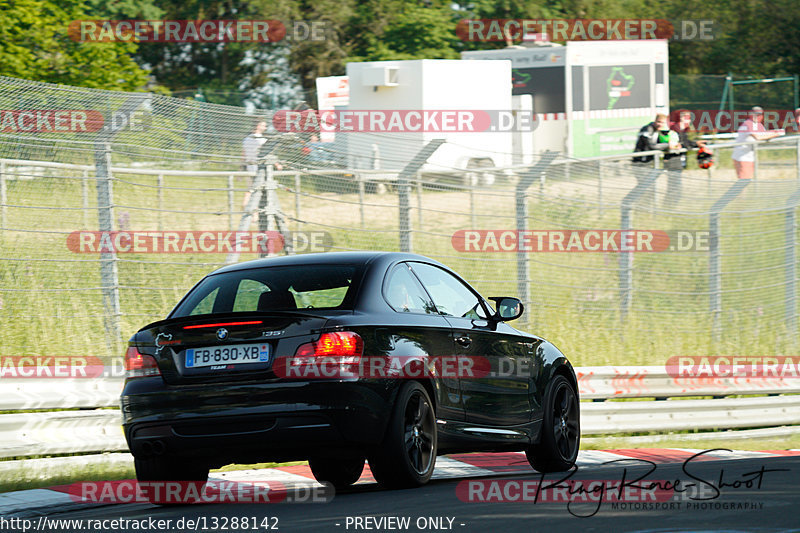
(404, 293)
(248, 295)
(449, 294)
(206, 305)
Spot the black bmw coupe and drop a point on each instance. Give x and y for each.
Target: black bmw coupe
(337, 358)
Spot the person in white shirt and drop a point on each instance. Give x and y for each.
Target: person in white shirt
(750, 130)
(250, 146)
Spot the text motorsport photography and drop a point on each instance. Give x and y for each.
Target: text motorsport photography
(630, 485)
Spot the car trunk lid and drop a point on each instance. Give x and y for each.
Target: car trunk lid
(225, 347)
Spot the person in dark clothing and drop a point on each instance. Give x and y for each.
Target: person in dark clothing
(649, 139)
(657, 136)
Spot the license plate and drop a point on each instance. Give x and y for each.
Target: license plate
(226, 355)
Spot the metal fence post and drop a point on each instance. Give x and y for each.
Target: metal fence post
(714, 278)
(797, 158)
(3, 196)
(404, 221)
(403, 190)
(230, 202)
(360, 181)
(419, 200)
(268, 210)
(85, 198)
(297, 197)
(521, 205)
(600, 186)
(625, 267)
(471, 189)
(790, 240)
(714, 265)
(160, 194)
(109, 275)
(646, 181)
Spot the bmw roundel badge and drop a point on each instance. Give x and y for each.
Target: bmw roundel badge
(222, 334)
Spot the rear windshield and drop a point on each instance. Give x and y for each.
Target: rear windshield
(272, 289)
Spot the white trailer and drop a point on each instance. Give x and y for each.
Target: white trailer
(590, 97)
(429, 85)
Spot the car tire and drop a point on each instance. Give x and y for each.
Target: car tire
(341, 472)
(559, 439)
(408, 453)
(167, 469)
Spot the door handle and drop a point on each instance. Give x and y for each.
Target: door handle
(464, 341)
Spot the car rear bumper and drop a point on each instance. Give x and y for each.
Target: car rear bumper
(253, 422)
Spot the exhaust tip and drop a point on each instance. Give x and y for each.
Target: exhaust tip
(159, 447)
(146, 448)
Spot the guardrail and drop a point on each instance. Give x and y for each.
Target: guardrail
(611, 382)
(93, 423)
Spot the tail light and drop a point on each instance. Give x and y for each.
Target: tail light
(138, 365)
(345, 346)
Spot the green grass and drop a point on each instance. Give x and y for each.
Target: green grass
(256, 466)
(575, 297)
(25, 477)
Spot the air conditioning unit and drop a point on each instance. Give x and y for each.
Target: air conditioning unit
(381, 77)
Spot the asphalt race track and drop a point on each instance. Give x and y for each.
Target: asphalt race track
(756, 492)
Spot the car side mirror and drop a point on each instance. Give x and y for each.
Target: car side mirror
(507, 308)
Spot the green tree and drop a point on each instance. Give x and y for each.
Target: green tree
(419, 32)
(230, 73)
(312, 59)
(35, 44)
(373, 30)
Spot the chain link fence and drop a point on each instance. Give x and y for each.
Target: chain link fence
(724, 281)
(705, 91)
